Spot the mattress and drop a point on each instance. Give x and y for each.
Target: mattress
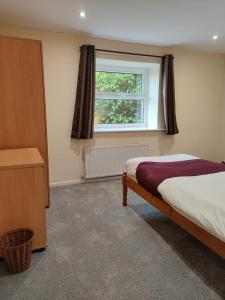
(201, 199)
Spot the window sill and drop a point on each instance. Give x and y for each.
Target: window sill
(126, 130)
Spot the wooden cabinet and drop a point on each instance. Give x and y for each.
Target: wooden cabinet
(22, 193)
(22, 99)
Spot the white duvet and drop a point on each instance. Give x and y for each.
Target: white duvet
(201, 199)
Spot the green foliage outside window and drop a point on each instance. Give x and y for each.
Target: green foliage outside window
(118, 82)
(118, 111)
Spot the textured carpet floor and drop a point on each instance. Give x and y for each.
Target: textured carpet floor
(101, 250)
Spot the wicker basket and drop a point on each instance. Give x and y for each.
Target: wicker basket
(16, 246)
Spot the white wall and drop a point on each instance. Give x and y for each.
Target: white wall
(199, 79)
(221, 143)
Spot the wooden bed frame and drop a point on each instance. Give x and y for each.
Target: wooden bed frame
(206, 238)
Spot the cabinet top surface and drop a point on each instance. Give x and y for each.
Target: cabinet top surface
(20, 158)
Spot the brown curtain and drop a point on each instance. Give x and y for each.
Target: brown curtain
(83, 119)
(168, 94)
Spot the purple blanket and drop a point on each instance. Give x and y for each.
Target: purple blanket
(151, 174)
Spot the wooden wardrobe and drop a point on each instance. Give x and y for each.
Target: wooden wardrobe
(22, 99)
(24, 184)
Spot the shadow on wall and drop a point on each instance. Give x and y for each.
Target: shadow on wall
(166, 143)
(77, 146)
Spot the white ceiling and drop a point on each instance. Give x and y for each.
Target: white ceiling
(158, 22)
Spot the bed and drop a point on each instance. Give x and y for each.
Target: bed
(196, 203)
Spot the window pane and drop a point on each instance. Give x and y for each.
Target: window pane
(115, 82)
(118, 111)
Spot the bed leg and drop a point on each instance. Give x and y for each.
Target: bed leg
(124, 189)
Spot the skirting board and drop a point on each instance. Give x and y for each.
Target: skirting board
(63, 183)
(106, 178)
(77, 181)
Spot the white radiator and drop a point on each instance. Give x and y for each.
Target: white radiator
(103, 161)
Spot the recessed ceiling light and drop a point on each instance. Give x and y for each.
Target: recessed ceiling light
(215, 37)
(82, 14)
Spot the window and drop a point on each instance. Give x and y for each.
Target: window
(126, 95)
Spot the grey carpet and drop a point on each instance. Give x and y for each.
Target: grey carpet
(101, 250)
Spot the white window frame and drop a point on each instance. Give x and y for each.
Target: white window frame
(145, 96)
(129, 96)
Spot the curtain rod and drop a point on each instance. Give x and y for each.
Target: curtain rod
(129, 53)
